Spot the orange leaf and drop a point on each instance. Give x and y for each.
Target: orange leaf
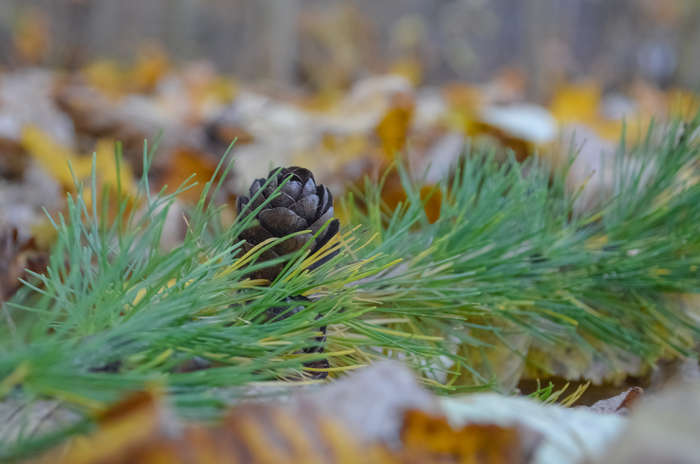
(32, 37)
(183, 163)
(393, 193)
(431, 196)
(435, 440)
(150, 66)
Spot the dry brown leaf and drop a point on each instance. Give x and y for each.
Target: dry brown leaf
(664, 428)
(521, 148)
(138, 430)
(13, 161)
(431, 196)
(359, 419)
(618, 404)
(393, 194)
(17, 255)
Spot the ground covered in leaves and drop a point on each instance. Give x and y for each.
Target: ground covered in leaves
(472, 248)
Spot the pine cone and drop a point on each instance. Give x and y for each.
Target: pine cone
(300, 205)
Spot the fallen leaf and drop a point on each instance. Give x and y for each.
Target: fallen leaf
(576, 103)
(431, 196)
(106, 76)
(185, 163)
(662, 429)
(55, 158)
(568, 435)
(32, 39)
(151, 65)
(618, 404)
(409, 68)
(433, 439)
(532, 124)
(140, 429)
(16, 256)
(13, 161)
(393, 129)
(394, 194)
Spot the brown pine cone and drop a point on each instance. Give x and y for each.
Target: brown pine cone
(300, 205)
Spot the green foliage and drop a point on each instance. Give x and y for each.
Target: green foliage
(508, 255)
(508, 258)
(549, 395)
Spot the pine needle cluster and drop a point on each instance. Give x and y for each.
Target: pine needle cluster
(509, 266)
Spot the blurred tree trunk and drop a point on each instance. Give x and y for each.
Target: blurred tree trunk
(7, 11)
(610, 41)
(271, 27)
(689, 53)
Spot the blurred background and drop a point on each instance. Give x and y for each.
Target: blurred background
(338, 86)
(314, 43)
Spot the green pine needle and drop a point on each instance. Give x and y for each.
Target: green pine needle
(508, 260)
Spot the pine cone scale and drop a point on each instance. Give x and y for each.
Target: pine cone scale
(292, 244)
(307, 206)
(281, 221)
(309, 187)
(321, 220)
(292, 188)
(256, 233)
(282, 200)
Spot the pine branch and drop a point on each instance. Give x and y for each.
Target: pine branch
(506, 267)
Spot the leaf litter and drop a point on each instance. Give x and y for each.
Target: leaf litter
(49, 120)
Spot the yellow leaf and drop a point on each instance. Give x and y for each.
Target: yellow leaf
(683, 103)
(409, 68)
(580, 104)
(576, 103)
(151, 64)
(394, 126)
(106, 76)
(54, 157)
(428, 438)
